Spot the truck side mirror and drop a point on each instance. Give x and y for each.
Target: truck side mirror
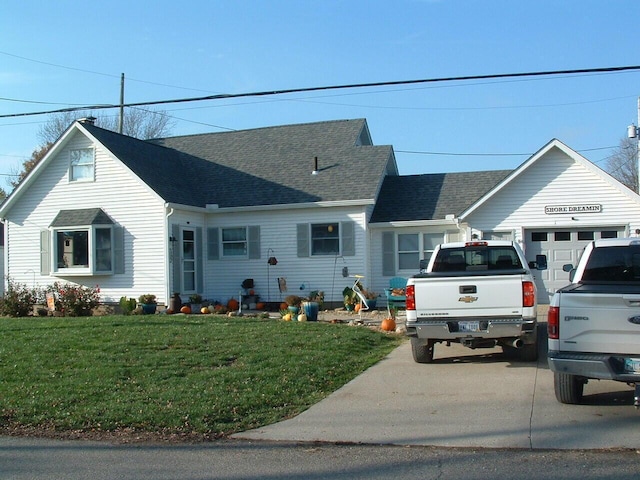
(540, 263)
(567, 267)
(424, 263)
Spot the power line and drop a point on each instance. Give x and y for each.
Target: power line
(335, 87)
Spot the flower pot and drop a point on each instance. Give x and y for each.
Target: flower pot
(349, 307)
(293, 309)
(149, 308)
(311, 310)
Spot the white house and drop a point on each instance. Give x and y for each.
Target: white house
(202, 213)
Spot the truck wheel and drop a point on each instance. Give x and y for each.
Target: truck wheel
(422, 352)
(568, 387)
(529, 352)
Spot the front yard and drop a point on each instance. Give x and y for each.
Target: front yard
(193, 377)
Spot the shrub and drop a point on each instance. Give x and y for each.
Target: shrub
(128, 305)
(18, 300)
(75, 300)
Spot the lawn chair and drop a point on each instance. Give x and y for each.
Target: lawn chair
(396, 292)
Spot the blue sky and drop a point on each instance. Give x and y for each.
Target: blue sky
(69, 53)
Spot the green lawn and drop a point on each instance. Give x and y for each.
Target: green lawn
(185, 375)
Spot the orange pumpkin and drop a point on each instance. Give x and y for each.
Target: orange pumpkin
(169, 311)
(283, 306)
(260, 305)
(357, 307)
(185, 309)
(388, 325)
(233, 304)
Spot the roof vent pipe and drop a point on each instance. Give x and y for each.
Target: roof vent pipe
(315, 166)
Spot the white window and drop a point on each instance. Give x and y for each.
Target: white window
(234, 242)
(81, 165)
(429, 243)
(408, 251)
(413, 247)
(83, 251)
(325, 239)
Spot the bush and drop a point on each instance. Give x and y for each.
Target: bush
(18, 300)
(128, 305)
(75, 300)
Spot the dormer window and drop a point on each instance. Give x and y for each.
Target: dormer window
(81, 165)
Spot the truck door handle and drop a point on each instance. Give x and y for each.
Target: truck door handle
(466, 289)
(631, 300)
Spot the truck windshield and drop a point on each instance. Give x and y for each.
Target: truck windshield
(613, 264)
(465, 259)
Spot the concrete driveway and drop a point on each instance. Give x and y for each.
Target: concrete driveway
(466, 398)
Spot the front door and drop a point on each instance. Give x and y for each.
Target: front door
(188, 261)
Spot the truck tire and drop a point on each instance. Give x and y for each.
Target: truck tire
(568, 388)
(422, 352)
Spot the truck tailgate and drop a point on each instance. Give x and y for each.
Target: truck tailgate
(471, 296)
(589, 323)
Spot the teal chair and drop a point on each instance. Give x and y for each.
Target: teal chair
(396, 300)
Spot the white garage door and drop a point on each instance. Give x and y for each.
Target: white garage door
(561, 247)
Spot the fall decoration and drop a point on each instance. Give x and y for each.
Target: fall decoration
(388, 324)
(185, 309)
(233, 304)
(260, 305)
(204, 310)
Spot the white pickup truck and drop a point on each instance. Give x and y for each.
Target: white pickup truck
(594, 323)
(480, 294)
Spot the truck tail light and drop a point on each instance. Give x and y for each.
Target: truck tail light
(553, 323)
(410, 297)
(528, 294)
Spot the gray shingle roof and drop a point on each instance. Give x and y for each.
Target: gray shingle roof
(264, 166)
(82, 216)
(432, 196)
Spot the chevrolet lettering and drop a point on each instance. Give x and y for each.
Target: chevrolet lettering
(468, 299)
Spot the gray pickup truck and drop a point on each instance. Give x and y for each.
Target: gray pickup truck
(594, 323)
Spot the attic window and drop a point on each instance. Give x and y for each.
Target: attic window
(81, 164)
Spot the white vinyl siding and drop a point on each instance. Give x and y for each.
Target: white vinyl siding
(140, 218)
(279, 236)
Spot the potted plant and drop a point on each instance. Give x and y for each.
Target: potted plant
(195, 300)
(350, 298)
(148, 303)
(372, 298)
(313, 305)
(293, 303)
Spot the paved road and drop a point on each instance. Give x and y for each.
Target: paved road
(466, 398)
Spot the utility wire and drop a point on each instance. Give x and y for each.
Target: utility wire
(334, 87)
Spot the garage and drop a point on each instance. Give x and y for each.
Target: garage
(561, 246)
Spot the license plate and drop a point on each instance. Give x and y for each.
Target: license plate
(632, 365)
(468, 326)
